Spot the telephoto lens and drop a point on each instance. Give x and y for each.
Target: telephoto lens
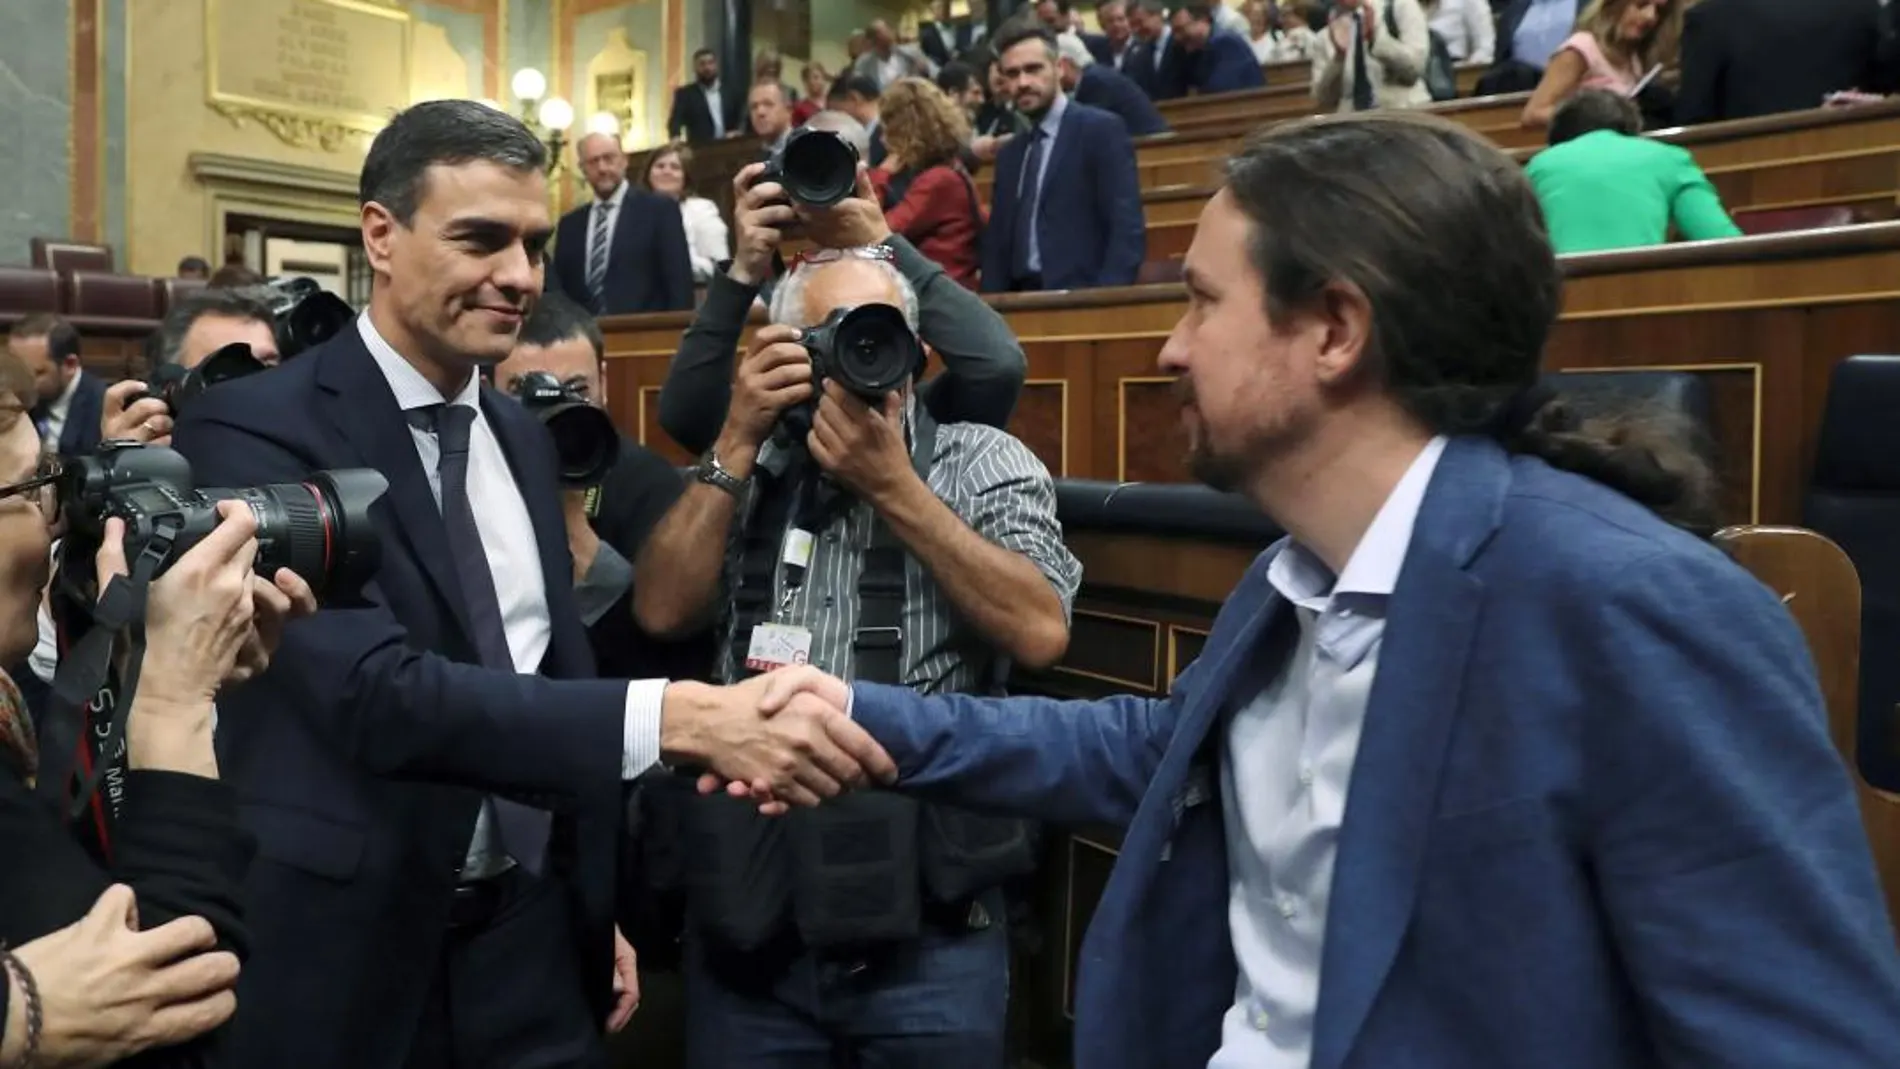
(817, 167)
(868, 350)
(305, 314)
(585, 441)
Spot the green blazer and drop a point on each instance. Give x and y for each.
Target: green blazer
(1608, 190)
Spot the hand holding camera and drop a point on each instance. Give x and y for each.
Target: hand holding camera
(860, 443)
(775, 376)
(129, 413)
(854, 222)
(760, 215)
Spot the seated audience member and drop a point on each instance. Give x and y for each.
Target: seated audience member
(1467, 27)
(1102, 86)
(770, 114)
(885, 60)
(945, 39)
(983, 364)
(1293, 38)
(1118, 34)
(1215, 59)
(234, 275)
(1387, 39)
(817, 82)
(1261, 33)
(708, 243)
(194, 267)
(66, 414)
(1616, 43)
(927, 194)
(1742, 58)
(1066, 205)
(1529, 33)
(137, 954)
(857, 96)
(943, 533)
(1156, 61)
(997, 116)
(606, 524)
(1603, 187)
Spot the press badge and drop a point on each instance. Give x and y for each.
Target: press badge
(776, 646)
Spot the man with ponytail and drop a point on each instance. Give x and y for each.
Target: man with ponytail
(1492, 761)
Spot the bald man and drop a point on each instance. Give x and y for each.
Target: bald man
(626, 252)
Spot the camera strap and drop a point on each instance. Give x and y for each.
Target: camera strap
(85, 726)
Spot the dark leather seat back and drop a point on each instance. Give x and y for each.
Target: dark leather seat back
(1179, 510)
(1784, 220)
(173, 290)
(1855, 501)
(62, 255)
(95, 295)
(25, 291)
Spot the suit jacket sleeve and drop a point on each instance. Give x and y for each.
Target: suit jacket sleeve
(1068, 762)
(1119, 202)
(1724, 834)
(1698, 97)
(698, 387)
(1406, 54)
(673, 257)
(983, 363)
(403, 712)
(675, 122)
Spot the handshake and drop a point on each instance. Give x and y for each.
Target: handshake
(781, 739)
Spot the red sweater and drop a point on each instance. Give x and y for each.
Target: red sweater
(941, 215)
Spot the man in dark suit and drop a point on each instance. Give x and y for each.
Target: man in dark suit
(1742, 58)
(945, 39)
(1215, 60)
(1101, 86)
(704, 110)
(1443, 788)
(67, 415)
(857, 95)
(433, 775)
(1066, 206)
(1154, 61)
(626, 252)
(1117, 34)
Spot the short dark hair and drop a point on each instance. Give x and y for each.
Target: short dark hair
(704, 52)
(1443, 236)
(1593, 110)
(246, 302)
(1197, 12)
(233, 276)
(193, 263)
(850, 82)
(557, 318)
(955, 77)
(1034, 31)
(442, 132)
(62, 340)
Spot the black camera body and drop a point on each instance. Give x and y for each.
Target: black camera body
(320, 529)
(304, 314)
(585, 439)
(868, 349)
(178, 386)
(817, 168)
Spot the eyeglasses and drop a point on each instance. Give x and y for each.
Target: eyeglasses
(881, 253)
(42, 489)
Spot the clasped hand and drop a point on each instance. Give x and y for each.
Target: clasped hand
(805, 704)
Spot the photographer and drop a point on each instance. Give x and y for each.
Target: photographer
(983, 364)
(101, 973)
(608, 522)
(930, 555)
(196, 327)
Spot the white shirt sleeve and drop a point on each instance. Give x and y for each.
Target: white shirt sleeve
(640, 739)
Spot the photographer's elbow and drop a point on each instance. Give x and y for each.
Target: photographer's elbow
(1043, 642)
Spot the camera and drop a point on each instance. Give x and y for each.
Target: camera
(178, 386)
(305, 314)
(320, 529)
(585, 440)
(817, 167)
(868, 350)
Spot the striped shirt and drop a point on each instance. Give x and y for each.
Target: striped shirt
(994, 484)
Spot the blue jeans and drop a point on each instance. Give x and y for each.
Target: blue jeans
(936, 1002)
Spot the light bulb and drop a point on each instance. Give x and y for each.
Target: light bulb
(556, 114)
(604, 122)
(528, 84)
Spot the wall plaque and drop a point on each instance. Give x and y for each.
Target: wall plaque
(310, 71)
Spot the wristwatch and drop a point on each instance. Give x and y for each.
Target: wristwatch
(712, 473)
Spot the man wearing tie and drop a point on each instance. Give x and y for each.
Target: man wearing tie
(67, 416)
(1066, 211)
(626, 252)
(433, 776)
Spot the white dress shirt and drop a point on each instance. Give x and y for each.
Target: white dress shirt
(55, 419)
(612, 207)
(1466, 25)
(1285, 772)
(514, 557)
(716, 105)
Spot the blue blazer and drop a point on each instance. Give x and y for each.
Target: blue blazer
(1090, 229)
(1224, 64)
(360, 758)
(1595, 820)
(649, 268)
(1102, 86)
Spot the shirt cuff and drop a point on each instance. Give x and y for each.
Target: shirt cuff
(640, 740)
(609, 577)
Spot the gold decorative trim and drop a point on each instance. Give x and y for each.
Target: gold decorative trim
(640, 413)
(293, 129)
(1068, 920)
(1063, 385)
(1153, 682)
(1121, 417)
(300, 127)
(1175, 631)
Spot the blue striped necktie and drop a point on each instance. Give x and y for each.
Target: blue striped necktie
(597, 257)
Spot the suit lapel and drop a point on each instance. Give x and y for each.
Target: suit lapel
(1229, 667)
(1413, 706)
(361, 406)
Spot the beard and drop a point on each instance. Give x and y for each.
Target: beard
(1231, 469)
(1219, 471)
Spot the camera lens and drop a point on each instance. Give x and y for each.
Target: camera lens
(319, 529)
(585, 441)
(820, 168)
(874, 351)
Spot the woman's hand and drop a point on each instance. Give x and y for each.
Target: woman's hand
(109, 991)
(197, 615)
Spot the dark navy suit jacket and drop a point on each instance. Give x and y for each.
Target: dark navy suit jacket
(360, 758)
(1090, 228)
(1224, 64)
(1105, 87)
(649, 268)
(79, 435)
(1595, 820)
(1157, 67)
